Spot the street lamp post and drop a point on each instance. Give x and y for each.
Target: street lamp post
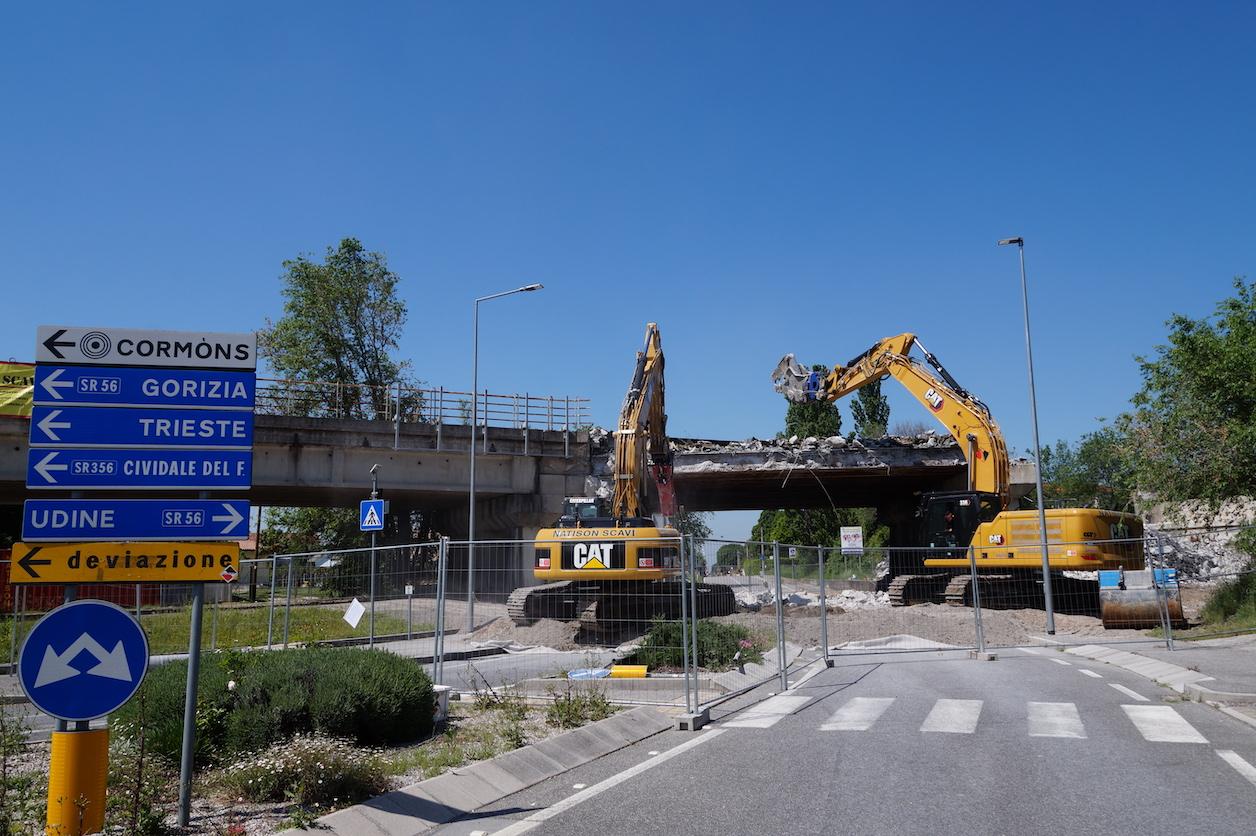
(1033, 411)
(475, 383)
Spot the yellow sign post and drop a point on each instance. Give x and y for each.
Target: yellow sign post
(123, 562)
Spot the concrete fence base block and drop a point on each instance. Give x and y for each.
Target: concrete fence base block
(692, 722)
(983, 655)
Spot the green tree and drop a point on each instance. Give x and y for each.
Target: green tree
(730, 554)
(341, 325)
(871, 411)
(813, 418)
(1092, 472)
(1192, 432)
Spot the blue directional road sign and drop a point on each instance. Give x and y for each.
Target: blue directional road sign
(126, 386)
(83, 660)
(371, 515)
(93, 426)
(199, 470)
(54, 520)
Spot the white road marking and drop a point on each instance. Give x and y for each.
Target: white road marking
(1091, 673)
(858, 715)
(524, 825)
(1031, 650)
(653, 752)
(767, 713)
(1055, 719)
(1241, 766)
(953, 716)
(1161, 724)
(1129, 692)
(1061, 662)
(578, 786)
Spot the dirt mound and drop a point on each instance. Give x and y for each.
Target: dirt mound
(544, 633)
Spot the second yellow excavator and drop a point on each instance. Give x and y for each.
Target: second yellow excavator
(1006, 544)
(609, 562)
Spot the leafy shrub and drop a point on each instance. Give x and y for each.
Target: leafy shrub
(577, 706)
(718, 645)
(141, 788)
(313, 770)
(248, 700)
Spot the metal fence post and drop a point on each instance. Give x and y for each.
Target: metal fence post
(567, 428)
(397, 420)
(13, 633)
(213, 624)
(824, 606)
(684, 627)
(440, 417)
(484, 441)
(693, 614)
(1163, 596)
(981, 633)
(780, 616)
(287, 610)
(438, 655)
(270, 617)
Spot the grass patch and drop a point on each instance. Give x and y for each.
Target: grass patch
(240, 627)
(721, 646)
(575, 707)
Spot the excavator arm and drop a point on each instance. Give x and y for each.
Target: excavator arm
(965, 417)
(641, 440)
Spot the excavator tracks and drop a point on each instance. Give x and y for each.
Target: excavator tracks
(603, 610)
(906, 590)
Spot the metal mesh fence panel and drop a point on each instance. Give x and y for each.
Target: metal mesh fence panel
(590, 611)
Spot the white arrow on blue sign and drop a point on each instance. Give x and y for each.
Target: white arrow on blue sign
(91, 426)
(83, 660)
(125, 386)
(202, 470)
(53, 520)
(371, 515)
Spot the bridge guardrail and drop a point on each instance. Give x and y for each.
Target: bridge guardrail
(420, 405)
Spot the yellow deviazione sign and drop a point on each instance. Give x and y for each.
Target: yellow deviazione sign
(17, 389)
(125, 562)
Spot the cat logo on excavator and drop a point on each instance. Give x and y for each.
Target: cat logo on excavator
(592, 555)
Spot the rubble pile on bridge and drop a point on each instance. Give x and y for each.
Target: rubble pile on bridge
(781, 453)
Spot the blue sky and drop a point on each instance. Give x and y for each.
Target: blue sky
(757, 178)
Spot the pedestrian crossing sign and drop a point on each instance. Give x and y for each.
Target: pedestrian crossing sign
(371, 515)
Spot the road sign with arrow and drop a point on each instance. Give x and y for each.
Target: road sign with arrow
(131, 347)
(163, 562)
(56, 520)
(83, 660)
(57, 385)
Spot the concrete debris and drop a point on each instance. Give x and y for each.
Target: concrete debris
(846, 599)
(1199, 539)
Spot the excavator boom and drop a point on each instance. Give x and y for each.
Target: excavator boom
(965, 417)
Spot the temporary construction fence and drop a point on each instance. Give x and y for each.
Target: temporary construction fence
(455, 605)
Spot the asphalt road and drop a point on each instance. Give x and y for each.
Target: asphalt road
(938, 743)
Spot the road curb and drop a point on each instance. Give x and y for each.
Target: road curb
(1199, 693)
(436, 801)
(1164, 673)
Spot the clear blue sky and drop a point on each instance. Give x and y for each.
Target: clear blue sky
(758, 178)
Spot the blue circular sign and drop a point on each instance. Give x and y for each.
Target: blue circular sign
(83, 660)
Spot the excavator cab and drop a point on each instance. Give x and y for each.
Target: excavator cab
(950, 520)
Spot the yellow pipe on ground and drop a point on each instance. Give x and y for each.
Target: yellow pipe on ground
(628, 671)
(76, 782)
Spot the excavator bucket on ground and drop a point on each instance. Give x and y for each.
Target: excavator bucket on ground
(1140, 600)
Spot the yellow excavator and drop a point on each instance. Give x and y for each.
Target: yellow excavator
(1006, 544)
(609, 562)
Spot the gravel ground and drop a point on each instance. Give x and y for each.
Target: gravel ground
(558, 635)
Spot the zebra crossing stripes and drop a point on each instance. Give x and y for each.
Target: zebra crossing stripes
(1161, 724)
(858, 715)
(767, 713)
(953, 717)
(1155, 723)
(1055, 719)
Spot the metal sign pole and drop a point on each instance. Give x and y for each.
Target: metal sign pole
(189, 707)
